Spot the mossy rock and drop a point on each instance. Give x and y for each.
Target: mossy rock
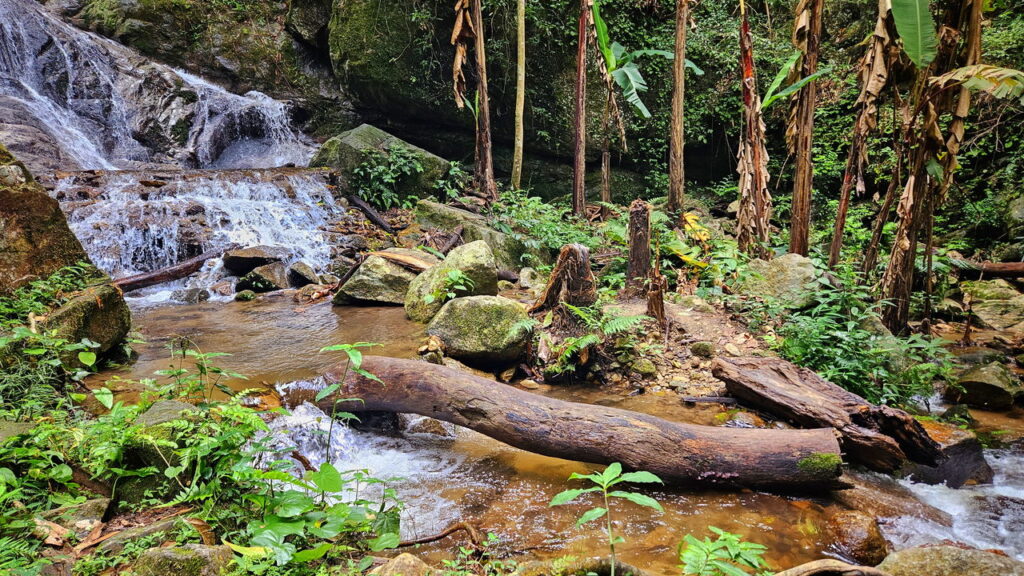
(424, 297)
(80, 518)
(508, 251)
(949, 561)
(381, 280)
(404, 565)
(269, 278)
(345, 152)
(98, 313)
(482, 330)
(782, 280)
(10, 429)
(187, 560)
(991, 386)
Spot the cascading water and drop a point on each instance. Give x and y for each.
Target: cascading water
(95, 104)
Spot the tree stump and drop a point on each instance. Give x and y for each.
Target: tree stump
(638, 267)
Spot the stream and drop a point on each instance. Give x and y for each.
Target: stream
(177, 166)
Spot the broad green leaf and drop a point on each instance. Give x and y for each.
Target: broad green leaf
(327, 478)
(105, 397)
(327, 391)
(914, 23)
(248, 551)
(613, 471)
(591, 515)
(384, 542)
(780, 77)
(794, 87)
(569, 495)
(87, 358)
(311, 554)
(638, 499)
(292, 503)
(641, 477)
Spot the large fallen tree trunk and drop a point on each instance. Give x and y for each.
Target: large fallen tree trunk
(171, 273)
(879, 437)
(679, 453)
(975, 270)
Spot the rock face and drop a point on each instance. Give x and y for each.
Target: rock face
(187, 560)
(99, 313)
(996, 304)
(425, 295)
(481, 329)
(35, 240)
(404, 565)
(949, 561)
(991, 386)
(345, 152)
(267, 278)
(781, 279)
(80, 518)
(965, 461)
(508, 251)
(242, 261)
(857, 537)
(381, 280)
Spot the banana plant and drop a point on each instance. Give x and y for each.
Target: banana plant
(914, 23)
(774, 93)
(621, 64)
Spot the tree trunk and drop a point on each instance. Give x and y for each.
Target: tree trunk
(517, 151)
(656, 299)
(171, 273)
(484, 174)
(878, 437)
(579, 162)
(680, 454)
(571, 281)
(638, 268)
(979, 270)
(871, 253)
(806, 36)
(755, 212)
(677, 132)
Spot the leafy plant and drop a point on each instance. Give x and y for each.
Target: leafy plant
(454, 183)
(726, 555)
(454, 283)
(381, 174)
(538, 224)
(603, 482)
(353, 363)
(913, 19)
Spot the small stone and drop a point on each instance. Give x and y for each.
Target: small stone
(507, 375)
(745, 420)
(225, 287)
(703, 349)
(267, 278)
(644, 367)
(857, 537)
(529, 384)
(505, 285)
(245, 296)
(301, 274)
(732, 349)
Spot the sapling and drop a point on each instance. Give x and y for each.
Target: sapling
(603, 482)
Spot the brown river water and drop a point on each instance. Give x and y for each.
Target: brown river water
(467, 476)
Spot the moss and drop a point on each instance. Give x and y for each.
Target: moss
(821, 463)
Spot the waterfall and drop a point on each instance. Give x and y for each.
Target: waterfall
(71, 99)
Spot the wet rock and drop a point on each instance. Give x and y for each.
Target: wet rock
(530, 278)
(977, 355)
(996, 304)
(307, 21)
(427, 291)
(80, 518)
(301, 274)
(508, 252)
(404, 565)
(345, 152)
(225, 287)
(482, 329)
(783, 279)
(267, 278)
(241, 262)
(744, 419)
(991, 386)
(98, 313)
(958, 414)
(191, 295)
(425, 425)
(245, 296)
(505, 285)
(35, 240)
(351, 245)
(882, 497)
(381, 280)
(949, 561)
(703, 349)
(856, 536)
(965, 461)
(187, 560)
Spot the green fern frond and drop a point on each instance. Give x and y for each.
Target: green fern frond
(619, 324)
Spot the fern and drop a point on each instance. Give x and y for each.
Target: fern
(618, 324)
(19, 556)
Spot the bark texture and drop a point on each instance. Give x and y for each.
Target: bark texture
(638, 268)
(799, 135)
(571, 280)
(517, 151)
(878, 437)
(681, 454)
(755, 212)
(579, 162)
(677, 129)
(171, 273)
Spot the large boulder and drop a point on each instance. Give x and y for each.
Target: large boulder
(425, 296)
(35, 240)
(508, 251)
(949, 561)
(187, 560)
(483, 330)
(965, 459)
(381, 280)
(244, 260)
(346, 151)
(98, 313)
(783, 280)
(991, 386)
(996, 304)
(273, 276)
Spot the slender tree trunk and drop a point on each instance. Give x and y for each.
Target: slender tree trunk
(606, 160)
(677, 134)
(638, 268)
(806, 36)
(517, 152)
(484, 175)
(754, 216)
(579, 166)
(871, 253)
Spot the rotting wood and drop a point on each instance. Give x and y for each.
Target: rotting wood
(978, 270)
(571, 281)
(404, 260)
(454, 240)
(680, 454)
(879, 437)
(171, 273)
(638, 266)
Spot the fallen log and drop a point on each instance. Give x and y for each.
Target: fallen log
(879, 437)
(171, 273)
(685, 454)
(976, 270)
(371, 214)
(405, 261)
(454, 240)
(830, 567)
